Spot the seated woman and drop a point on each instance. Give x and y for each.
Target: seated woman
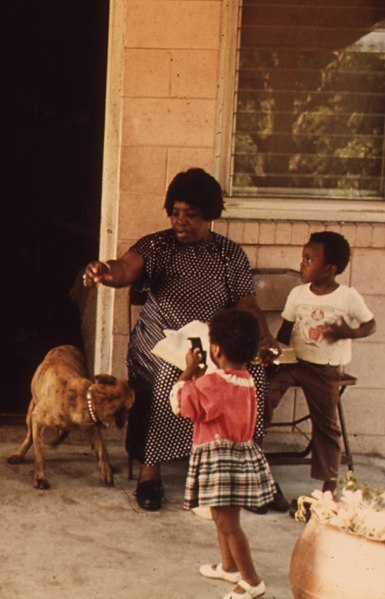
(189, 273)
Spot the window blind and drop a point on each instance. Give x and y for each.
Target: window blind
(310, 99)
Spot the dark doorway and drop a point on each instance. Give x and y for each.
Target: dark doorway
(54, 87)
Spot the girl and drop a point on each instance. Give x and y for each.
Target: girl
(227, 470)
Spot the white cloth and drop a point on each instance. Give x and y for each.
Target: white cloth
(310, 312)
(175, 345)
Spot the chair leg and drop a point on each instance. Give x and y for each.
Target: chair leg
(130, 468)
(349, 457)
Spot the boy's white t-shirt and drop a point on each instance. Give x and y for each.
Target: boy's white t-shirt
(310, 312)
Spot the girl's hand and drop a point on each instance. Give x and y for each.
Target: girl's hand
(194, 367)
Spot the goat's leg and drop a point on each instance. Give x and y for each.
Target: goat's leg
(60, 437)
(38, 430)
(18, 457)
(97, 444)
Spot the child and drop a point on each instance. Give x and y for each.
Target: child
(319, 321)
(227, 470)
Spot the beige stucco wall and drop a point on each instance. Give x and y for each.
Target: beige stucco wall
(161, 117)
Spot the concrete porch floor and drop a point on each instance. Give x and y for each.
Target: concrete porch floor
(81, 540)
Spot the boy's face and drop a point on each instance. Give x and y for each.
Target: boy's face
(313, 267)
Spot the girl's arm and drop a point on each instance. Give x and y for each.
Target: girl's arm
(193, 370)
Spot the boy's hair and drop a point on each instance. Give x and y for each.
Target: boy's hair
(237, 334)
(198, 189)
(336, 248)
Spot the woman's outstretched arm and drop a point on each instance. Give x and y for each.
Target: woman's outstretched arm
(114, 273)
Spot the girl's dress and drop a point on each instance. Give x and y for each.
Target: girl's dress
(226, 466)
(183, 283)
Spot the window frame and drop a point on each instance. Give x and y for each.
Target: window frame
(302, 208)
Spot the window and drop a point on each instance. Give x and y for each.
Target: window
(309, 100)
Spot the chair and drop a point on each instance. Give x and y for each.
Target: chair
(272, 286)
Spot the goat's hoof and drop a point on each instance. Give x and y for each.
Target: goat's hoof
(40, 483)
(15, 459)
(109, 482)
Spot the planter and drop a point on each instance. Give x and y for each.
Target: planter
(329, 563)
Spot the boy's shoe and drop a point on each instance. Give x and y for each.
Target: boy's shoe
(210, 571)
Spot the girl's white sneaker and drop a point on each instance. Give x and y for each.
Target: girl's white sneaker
(250, 592)
(210, 571)
(202, 512)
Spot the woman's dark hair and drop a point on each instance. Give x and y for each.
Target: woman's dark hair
(196, 188)
(237, 333)
(336, 248)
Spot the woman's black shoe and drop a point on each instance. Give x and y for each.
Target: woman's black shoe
(149, 495)
(258, 510)
(279, 503)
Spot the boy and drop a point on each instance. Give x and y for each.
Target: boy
(319, 321)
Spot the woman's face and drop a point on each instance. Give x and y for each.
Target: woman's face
(188, 223)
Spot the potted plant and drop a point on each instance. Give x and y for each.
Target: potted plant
(341, 551)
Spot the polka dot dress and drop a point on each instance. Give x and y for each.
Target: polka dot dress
(183, 283)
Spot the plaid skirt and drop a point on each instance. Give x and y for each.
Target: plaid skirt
(223, 473)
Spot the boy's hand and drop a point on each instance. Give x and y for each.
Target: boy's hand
(337, 330)
(341, 330)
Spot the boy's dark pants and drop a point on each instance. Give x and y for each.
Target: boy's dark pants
(320, 386)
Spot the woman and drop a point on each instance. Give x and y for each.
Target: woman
(188, 272)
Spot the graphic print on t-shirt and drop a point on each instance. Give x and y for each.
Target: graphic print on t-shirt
(312, 321)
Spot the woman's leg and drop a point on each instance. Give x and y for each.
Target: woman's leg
(149, 472)
(233, 544)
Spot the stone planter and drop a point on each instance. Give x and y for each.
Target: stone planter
(329, 563)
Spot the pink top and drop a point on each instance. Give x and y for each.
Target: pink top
(221, 404)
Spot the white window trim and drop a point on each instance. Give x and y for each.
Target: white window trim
(272, 208)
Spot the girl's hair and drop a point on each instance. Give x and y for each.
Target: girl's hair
(336, 248)
(237, 334)
(196, 188)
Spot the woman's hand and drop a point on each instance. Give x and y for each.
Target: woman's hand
(97, 272)
(269, 351)
(121, 272)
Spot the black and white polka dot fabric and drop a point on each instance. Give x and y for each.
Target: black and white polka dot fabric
(183, 283)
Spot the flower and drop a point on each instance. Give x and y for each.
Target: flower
(354, 507)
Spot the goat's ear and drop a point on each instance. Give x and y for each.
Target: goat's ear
(105, 379)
